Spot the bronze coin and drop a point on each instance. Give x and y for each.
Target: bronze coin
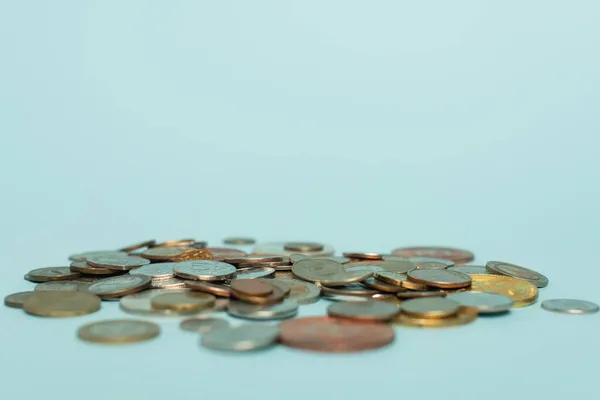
(257, 259)
(337, 335)
(440, 278)
(182, 301)
(446, 253)
(61, 304)
(223, 253)
(251, 287)
(51, 274)
(362, 255)
(434, 307)
(133, 247)
(207, 287)
(373, 283)
(16, 300)
(175, 243)
(276, 296)
(303, 247)
(416, 294)
(194, 254)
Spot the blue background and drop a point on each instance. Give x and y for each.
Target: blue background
(370, 125)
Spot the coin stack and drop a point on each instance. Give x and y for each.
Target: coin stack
(370, 293)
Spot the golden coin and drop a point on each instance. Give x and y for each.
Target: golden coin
(440, 278)
(239, 241)
(342, 278)
(464, 316)
(523, 293)
(183, 301)
(431, 307)
(118, 331)
(373, 283)
(51, 274)
(207, 287)
(16, 300)
(362, 255)
(84, 268)
(194, 254)
(61, 304)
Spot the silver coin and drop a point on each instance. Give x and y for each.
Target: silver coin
(516, 271)
(287, 309)
(119, 285)
(117, 263)
(570, 306)
(203, 325)
(255, 272)
(469, 269)
(429, 259)
(173, 283)
(301, 292)
(205, 270)
(241, 338)
(64, 286)
(399, 266)
(485, 303)
(84, 256)
(156, 271)
(141, 304)
(278, 248)
(353, 289)
(342, 297)
(368, 310)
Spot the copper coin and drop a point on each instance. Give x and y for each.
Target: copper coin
(176, 243)
(84, 268)
(364, 310)
(223, 253)
(276, 296)
(434, 307)
(51, 274)
(193, 254)
(207, 287)
(373, 283)
(16, 300)
(416, 294)
(137, 246)
(182, 301)
(362, 255)
(446, 253)
(440, 278)
(303, 247)
(251, 287)
(516, 271)
(327, 334)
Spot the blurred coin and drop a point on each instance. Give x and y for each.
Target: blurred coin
(353, 289)
(223, 253)
(334, 335)
(117, 263)
(294, 258)
(431, 265)
(303, 247)
(51, 274)
(118, 331)
(83, 267)
(421, 260)
(76, 286)
(418, 294)
(364, 311)
(342, 278)
(373, 283)
(362, 255)
(238, 240)
(440, 278)
(464, 316)
(193, 254)
(61, 304)
(255, 259)
(380, 266)
(198, 244)
(182, 301)
(156, 271)
(390, 298)
(176, 243)
(255, 272)
(391, 278)
(251, 287)
(484, 303)
(515, 271)
(523, 293)
(84, 256)
(301, 292)
(446, 253)
(469, 269)
(204, 270)
(120, 285)
(203, 325)
(570, 306)
(141, 304)
(207, 287)
(284, 275)
(245, 337)
(286, 309)
(164, 253)
(276, 295)
(279, 248)
(16, 300)
(341, 297)
(173, 283)
(285, 288)
(341, 260)
(137, 246)
(316, 270)
(432, 307)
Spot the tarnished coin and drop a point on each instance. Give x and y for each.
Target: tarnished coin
(570, 306)
(431, 265)
(515, 271)
(303, 247)
(276, 295)
(183, 301)
(61, 304)
(67, 286)
(251, 287)
(316, 270)
(207, 287)
(203, 325)
(300, 291)
(484, 303)
(194, 254)
(279, 248)
(457, 255)
(440, 278)
(419, 294)
(469, 269)
(245, 337)
(84, 256)
(353, 289)
(342, 278)
(422, 260)
(223, 253)
(176, 243)
(117, 263)
(83, 267)
(205, 270)
(173, 283)
(365, 311)
(362, 255)
(432, 307)
(286, 309)
(164, 253)
(141, 304)
(464, 316)
(51, 274)
(120, 285)
(118, 331)
(334, 335)
(523, 293)
(137, 246)
(373, 283)
(156, 271)
(16, 300)
(380, 266)
(255, 272)
(238, 240)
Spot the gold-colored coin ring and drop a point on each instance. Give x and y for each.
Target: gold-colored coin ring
(373, 283)
(60, 304)
(175, 243)
(464, 316)
(183, 301)
(391, 278)
(414, 285)
(207, 287)
(527, 295)
(193, 254)
(93, 332)
(355, 255)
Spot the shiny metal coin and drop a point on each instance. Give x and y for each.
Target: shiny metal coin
(342, 297)
(433, 307)
(203, 325)
(353, 289)
(440, 278)
(120, 285)
(364, 311)
(84, 256)
(570, 306)
(245, 337)
(420, 260)
(484, 303)
(373, 283)
(255, 272)
(398, 266)
(469, 269)
(173, 283)
(141, 304)
(238, 240)
(286, 309)
(205, 270)
(516, 271)
(17, 300)
(156, 271)
(68, 286)
(117, 263)
(301, 292)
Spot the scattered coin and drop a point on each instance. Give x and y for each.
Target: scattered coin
(294, 258)
(118, 331)
(245, 337)
(254, 259)
(362, 256)
(432, 307)
(286, 309)
(255, 272)
(276, 295)
(456, 255)
(484, 303)
(390, 298)
(120, 285)
(301, 292)
(173, 283)
(51, 274)
(278, 248)
(380, 266)
(342, 278)
(84, 256)
(523, 293)
(138, 246)
(238, 241)
(203, 325)
(440, 278)
(373, 283)
(207, 287)
(421, 260)
(83, 267)
(341, 260)
(183, 301)
(199, 244)
(469, 269)
(303, 247)
(431, 265)
(164, 253)
(204, 270)
(176, 243)
(194, 254)
(353, 289)
(61, 304)
(515, 271)
(141, 304)
(156, 271)
(364, 311)
(16, 300)
(76, 286)
(251, 287)
(326, 334)
(464, 316)
(391, 278)
(223, 253)
(342, 297)
(313, 270)
(419, 294)
(117, 263)
(570, 306)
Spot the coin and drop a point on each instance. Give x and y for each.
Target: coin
(457, 255)
(431, 265)
(391, 278)
(421, 260)
(342, 278)
(223, 253)
(469, 269)
(484, 303)
(183, 301)
(419, 294)
(432, 307)
(440, 278)
(16, 300)
(353, 289)
(83, 267)
(364, 311)
(464, 316)
(203, 325)
(303, 247)
(334, 335)
(284, 275)
(120, 285)
(294, 258)
(194, 254)
(51, 274)
(76, 286)
(203, 270)
(342, 297)
(176, 243)
(286, 309)
(84, 256)
(164, 253)
(301, 292)
(238, 240)
(390, 298)
(245, 337)
(255, 259)
(373, 283)
(570, 306)
(118, 331)
(279, 248)
(117, 263)
(198, 244)
(173, 283)
(362, 256)
(255, 272)
(316, 270)
(141, 304)
(61, 304)
(523, 293)
(207, 287)
(515, 271)
(156, 271)
(251, 287)
(380, 266)
(137, 246)
(275, 296)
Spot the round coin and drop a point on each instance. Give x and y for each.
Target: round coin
(241, 338)
(446, 253)
(207, 287)
(440, 278)
(117, 263)
(204, 270)
(61, 304)
(255, 259)
(515, 271)
(276, 296)
(464, 316)
(173, 283)
(137, 246)
(334, 335)
(51, 274)
(156, 271)
(362, 255)
(421, 260)
(76, 286)
(203, 325)
(223, 253)
(570, 306)
(238, 240)
(398, 266)
(118, 331)
(419, 294)
(255, 272)
(391, 278)
(365, 311)
(84, 256)
(141, 304)
(16, 300)
(484, 303)
(342, 278)
(353, 289)
(314, 270)
(251, 287)
(303, 247)
(194, 254)
(286, 309)
(301, 292)
(373, 283)
(469, 269)
(176, 243)
(431, 265)
(279, 249)
(183, 301)
(523, 293)
(164, 253)
(120, 285)
(432, 307)
(83, 267)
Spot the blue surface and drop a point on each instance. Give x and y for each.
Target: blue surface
(369, 125)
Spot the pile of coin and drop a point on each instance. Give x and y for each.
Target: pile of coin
(370, 293)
